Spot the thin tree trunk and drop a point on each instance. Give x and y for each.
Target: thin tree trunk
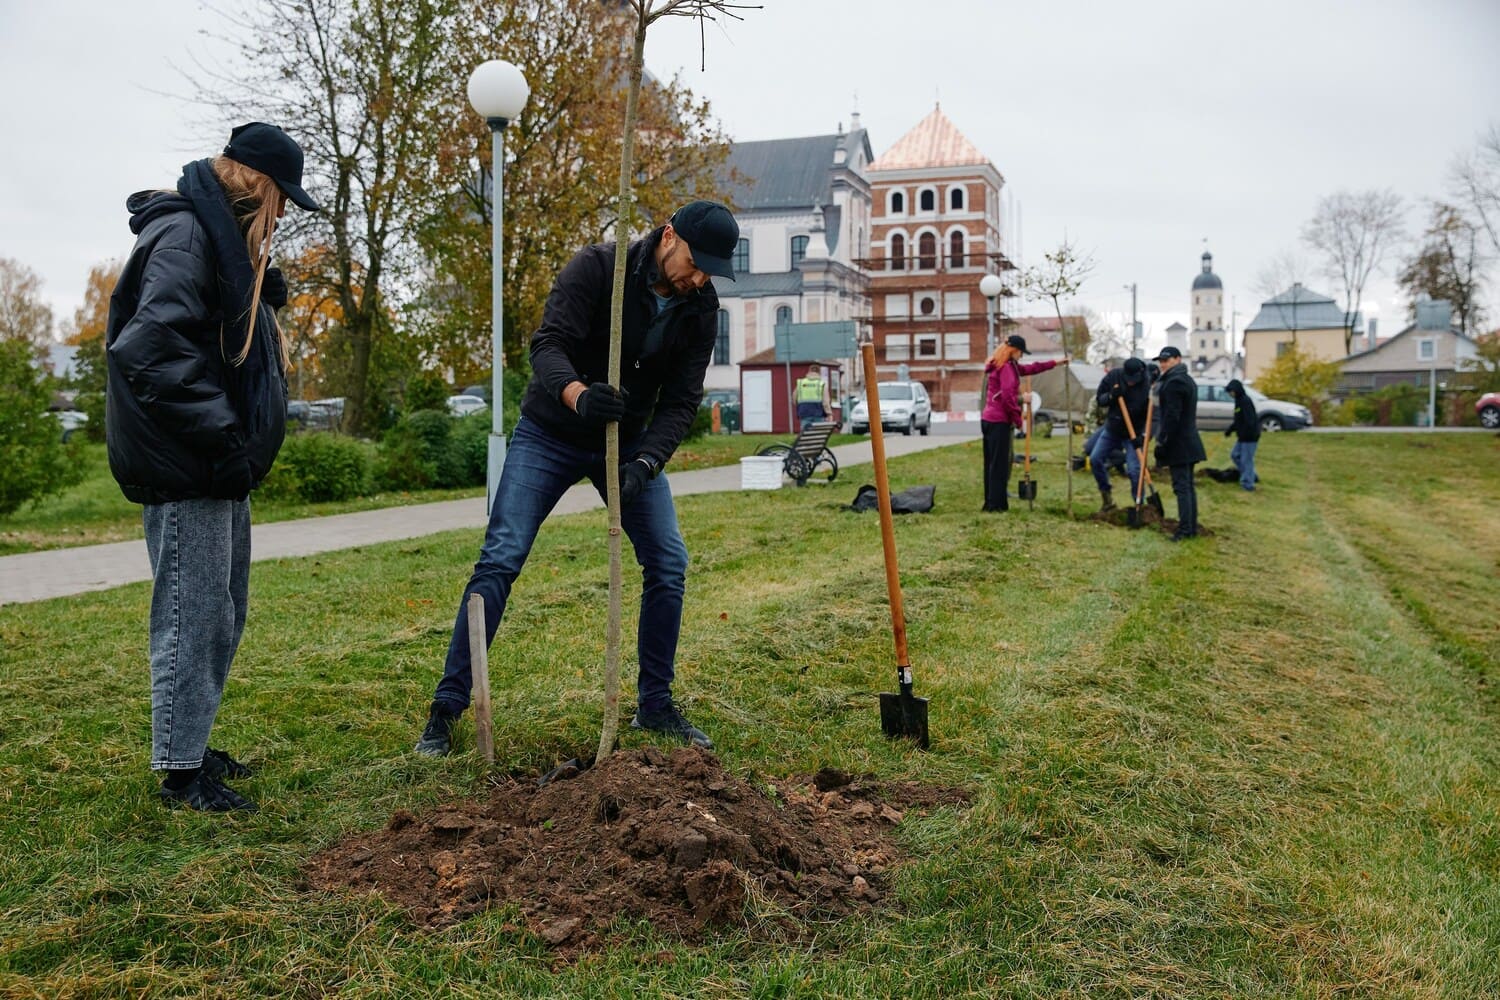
(612, 432)
(1062, 331)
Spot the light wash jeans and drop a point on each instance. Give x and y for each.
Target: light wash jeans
(1243, 457)
(200, 566)
(1106, 442)
(539, 469)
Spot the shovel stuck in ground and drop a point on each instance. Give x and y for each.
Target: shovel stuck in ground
(1026, 488)
(902, 714)
(1133, 517)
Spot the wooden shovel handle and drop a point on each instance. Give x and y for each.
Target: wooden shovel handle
(1140, 453)
(1027, 419)
(883, 491)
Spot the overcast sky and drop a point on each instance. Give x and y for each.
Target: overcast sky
(1136, 129)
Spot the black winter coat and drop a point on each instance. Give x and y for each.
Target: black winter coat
(1114, 387)
(1177, 441)
(662, 357)
(1246, 421)
(170, 417)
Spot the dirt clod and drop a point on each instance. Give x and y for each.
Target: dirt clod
(668, 837)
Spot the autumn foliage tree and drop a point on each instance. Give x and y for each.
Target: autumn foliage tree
(24, 315)
(563, 156)
(86, 334)
(1298, 376)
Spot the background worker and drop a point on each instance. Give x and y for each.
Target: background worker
(1246, 427)
(1130, 383)
(812, 395)
(1002, 415)
(1178, 446)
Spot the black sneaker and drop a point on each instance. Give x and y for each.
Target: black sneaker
(669, 721)
(207, 794)
(220, 766)
(437, 738)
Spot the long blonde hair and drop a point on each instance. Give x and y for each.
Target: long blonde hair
(256, 202)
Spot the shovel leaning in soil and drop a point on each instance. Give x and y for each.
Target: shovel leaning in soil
(902, 714)
(1026, 488)
(1154, 499)
(1133, 516)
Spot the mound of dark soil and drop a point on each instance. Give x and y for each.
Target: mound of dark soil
(665, 836)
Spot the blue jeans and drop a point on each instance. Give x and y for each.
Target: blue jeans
(539, 469)
(1105, 442)
(200, 567)
(1243, 457)
(810, 413)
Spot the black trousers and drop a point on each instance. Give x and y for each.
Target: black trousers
(1187, 500)
(999, 442)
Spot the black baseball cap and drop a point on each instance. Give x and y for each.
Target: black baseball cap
(712, 235)
(274, 153)
(1135, 370)
(1168, 352)
(1018, 342)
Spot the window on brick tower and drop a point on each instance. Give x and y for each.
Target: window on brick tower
(927, 251)
(898, 252)
(927, 201)
(898, 203)
(956, 199)
(956, 250)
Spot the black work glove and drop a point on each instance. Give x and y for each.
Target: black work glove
(273, 289)
(634, 475)
(600, 404)
(1115, 392)
(1139, 442)
(230, 479)
(1229, 432)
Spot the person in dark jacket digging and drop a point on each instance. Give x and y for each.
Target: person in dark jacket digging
(1246, 427)
(196, 414)
(670, 323)
(1130, 383)
(1178, 446)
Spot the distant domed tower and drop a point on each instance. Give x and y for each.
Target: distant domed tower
(1209, 340)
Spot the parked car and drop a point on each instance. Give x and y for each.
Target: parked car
(1488, 408)
(482, 390)
(462, 405)
(904, 406)
(71, 421)
(1216, 408)
(724, 397)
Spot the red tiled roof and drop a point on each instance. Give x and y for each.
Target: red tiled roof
(934, 142)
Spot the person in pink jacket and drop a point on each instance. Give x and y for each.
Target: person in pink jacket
(1002, 415)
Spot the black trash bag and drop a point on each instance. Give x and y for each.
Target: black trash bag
(916, 500)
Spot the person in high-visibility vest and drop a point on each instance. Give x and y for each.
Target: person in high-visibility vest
(811, 390)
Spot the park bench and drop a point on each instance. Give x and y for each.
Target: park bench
(802, 459)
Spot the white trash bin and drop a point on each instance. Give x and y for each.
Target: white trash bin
(761, 472)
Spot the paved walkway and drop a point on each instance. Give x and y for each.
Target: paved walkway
(39, 576)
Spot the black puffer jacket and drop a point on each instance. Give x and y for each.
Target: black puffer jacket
(1114, 387)
(1246, 421)
(1177, 441)
(170, 416)
(662, 358)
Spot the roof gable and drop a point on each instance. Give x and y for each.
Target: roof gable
(774, 174)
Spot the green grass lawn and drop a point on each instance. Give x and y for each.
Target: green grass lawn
(94, 511)
(1259, 764)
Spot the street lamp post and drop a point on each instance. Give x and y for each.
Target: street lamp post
(990, 286)
(498, 92)
(1135, 327)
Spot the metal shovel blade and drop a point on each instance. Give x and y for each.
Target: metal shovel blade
(904, 716)
(1026, 489)
(1133, 517)
(1155, 501)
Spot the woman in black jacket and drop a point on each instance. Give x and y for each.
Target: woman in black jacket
(196, 414)
(1246, 427)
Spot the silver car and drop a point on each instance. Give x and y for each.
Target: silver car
(1216, 408)
(904, 406)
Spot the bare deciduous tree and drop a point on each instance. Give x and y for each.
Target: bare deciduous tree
(1450, 264)
(1352, 231)
(1061, 276)
(1476, 183)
